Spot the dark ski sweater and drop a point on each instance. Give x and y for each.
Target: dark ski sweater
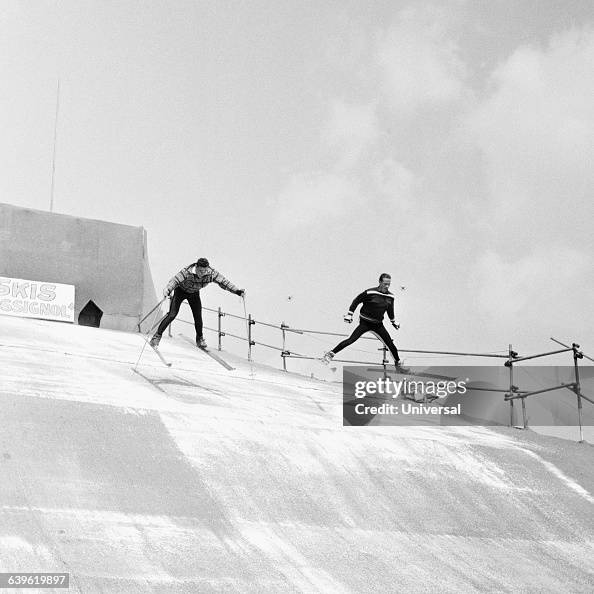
(375, 305)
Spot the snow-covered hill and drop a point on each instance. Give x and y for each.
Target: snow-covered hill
(198, 479)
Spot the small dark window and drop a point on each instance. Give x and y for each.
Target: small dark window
(90, 315)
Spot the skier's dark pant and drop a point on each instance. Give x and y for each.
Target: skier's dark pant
(195, 304)
(378, 329)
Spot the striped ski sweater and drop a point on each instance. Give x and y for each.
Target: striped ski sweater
(191, 279)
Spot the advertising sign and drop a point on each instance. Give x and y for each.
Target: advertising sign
(36, 299)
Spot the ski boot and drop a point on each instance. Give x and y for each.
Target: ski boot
(155, 340)
(401, 369)
(327, 357)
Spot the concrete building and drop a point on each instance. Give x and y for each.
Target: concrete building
(106, 262)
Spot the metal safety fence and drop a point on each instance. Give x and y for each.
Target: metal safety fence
(511, 393)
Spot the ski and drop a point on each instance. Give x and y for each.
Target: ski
(210, 354)
(163, 360)
(326, 363)
(217, 359)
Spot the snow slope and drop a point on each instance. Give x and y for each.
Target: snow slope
(198, 479)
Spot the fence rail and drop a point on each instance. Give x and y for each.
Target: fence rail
(511, 393)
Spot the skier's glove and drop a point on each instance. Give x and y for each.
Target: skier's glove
(166, 292)
(348, 318)
(397, 326)
(240, 292)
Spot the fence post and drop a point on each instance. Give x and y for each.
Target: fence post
(385, 360)
(578, 389)
(250, 341)
(510, 364)
(219, 327)
(283, 326)
(512, 389)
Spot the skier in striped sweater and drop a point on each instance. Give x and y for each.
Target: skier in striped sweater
(186, 284)
(376, 302)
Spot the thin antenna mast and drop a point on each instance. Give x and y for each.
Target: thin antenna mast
(55, 141)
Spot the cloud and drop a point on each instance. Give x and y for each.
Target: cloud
(418, 66)
(535, 130)
(419, 61)
(316, 198)
(395, 182)
(350, 131)
(537, 282)
(323, 196)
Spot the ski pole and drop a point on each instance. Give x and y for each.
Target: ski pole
(155, 318)
(150, 312)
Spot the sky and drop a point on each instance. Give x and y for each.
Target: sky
(305, 148)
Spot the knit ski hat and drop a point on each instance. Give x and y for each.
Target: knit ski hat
(202, 263)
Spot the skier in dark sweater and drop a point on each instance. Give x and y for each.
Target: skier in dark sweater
(376, 302)
(186, 284)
